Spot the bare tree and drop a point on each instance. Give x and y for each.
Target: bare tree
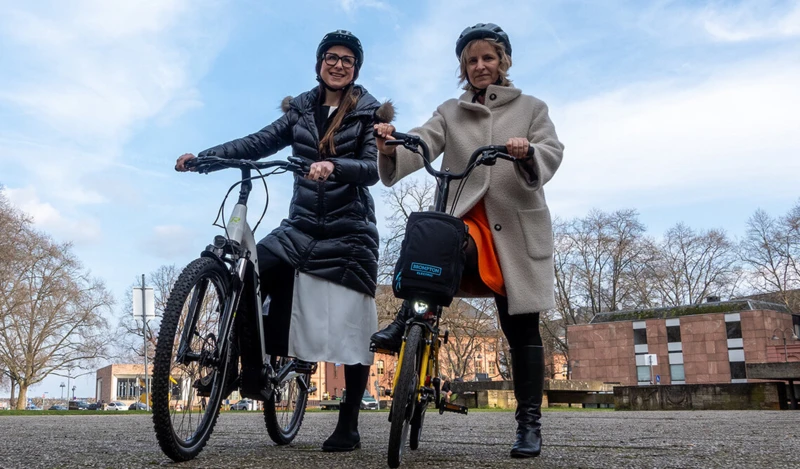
(58, 320)
(771, 249)
(130, 343)
(471, 326)
(402, 199)
(693, 265)
(600, 261)
(14, 229)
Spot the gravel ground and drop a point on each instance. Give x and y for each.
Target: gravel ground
(729, 439)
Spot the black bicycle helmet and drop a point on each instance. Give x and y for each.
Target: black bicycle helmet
(340, 37)
(482, 31)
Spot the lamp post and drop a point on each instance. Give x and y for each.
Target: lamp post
(792, 335)
(73, 392)
(62, 390)
(69, 374)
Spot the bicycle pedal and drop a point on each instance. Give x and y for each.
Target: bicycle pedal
(374, 349)
(303, 367)
(448, 407)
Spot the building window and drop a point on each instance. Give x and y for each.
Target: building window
(127, 389)
(490, 347)
(677, 373)
(738, 370)
(673, 333)
(734, 329)
(639, 337)
(491, 368)
(314, 387)
(380, 366)
(643, 374)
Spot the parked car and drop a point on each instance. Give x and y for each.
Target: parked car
(139, 406)
(32, 407)
(58, 407)
(95, 406)
(368, 402)
(244, 404)
(78, 405)
(116, 405)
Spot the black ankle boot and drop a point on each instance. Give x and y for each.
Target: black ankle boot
(391, 337)
(345, 437)
(527, 370)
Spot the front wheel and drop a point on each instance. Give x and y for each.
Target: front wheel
(284, 412)
(192, 364)
(404, 397)
(416, 427)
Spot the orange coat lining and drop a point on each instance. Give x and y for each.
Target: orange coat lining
(488, 263)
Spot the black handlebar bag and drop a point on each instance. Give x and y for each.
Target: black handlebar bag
(432, 258)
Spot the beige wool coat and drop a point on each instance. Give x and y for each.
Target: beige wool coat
(513, 193)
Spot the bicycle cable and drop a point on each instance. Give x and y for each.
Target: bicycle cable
(461, 185)
(262, 176)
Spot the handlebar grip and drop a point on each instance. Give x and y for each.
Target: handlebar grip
(395, 135)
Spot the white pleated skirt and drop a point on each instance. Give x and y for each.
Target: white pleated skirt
(331, 323)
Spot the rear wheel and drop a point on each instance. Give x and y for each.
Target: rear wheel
(284, 412)
(404, 397)
(191, 365)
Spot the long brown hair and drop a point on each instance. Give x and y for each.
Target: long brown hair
(346, 104)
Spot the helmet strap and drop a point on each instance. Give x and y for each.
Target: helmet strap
(482, 91)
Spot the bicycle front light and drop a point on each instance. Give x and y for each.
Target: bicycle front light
(420, 307)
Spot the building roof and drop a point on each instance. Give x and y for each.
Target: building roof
(716, 307)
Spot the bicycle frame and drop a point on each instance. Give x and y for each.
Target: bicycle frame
(430, 354)
(486, 155)
(238, 248)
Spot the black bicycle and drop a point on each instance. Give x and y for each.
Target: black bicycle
(416, 381)
(211, 341)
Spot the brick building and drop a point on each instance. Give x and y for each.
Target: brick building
(697, 344)
(120, 382)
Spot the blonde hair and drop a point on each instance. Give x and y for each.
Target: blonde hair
(502, 69)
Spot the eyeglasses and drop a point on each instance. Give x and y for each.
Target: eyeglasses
(348, 61)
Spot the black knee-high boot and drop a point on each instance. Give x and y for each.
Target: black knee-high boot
(527, 369)
(345, 437)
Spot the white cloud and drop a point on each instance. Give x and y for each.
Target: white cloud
(87, 76)
(170, 242)
(351, 6)
(76, 228)
(753, 20)
(100, 67)
(734, 133)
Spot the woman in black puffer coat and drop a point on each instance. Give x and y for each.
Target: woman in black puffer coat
(319, 267)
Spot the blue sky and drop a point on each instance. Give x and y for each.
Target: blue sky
(686, 111)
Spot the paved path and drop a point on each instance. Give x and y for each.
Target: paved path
(729, 439)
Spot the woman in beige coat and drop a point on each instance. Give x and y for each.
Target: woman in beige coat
(510, 254)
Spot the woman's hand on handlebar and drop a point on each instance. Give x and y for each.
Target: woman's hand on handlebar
(320, 171)
(518, 147)
(180, 164)
(384, 132)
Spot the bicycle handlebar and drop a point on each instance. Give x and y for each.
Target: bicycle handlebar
(208, 164)
(486, 155)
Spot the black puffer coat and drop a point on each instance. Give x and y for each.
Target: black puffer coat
(331, 230)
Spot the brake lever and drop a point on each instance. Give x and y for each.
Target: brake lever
(299, 165)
